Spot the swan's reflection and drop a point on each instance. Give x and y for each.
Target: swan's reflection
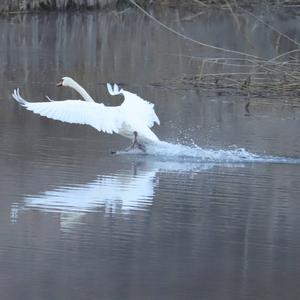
(117, 193)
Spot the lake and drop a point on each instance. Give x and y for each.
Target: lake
(213, 213)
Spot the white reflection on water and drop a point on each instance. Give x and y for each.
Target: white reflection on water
(118, 193)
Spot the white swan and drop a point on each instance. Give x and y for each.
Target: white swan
(68, 81)
(133, 118)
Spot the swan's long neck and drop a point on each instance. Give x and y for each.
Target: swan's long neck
(82, 92)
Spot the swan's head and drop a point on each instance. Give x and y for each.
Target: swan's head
(66, 81)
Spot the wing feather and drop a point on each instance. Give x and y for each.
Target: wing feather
(99, 116)
(140, 107)
(134, 106)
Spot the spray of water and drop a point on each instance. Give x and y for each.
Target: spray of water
(195, 153)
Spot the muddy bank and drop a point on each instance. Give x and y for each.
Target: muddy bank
(7, 6)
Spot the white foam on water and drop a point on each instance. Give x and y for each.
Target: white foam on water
(199, 154)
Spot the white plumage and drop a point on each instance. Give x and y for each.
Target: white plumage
(135, 105)
(134, 114)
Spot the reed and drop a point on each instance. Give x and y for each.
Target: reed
(266, 78)
(279, 75)
(36, 5)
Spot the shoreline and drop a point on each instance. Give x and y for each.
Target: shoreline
(28, 6)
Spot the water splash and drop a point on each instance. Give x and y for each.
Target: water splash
(198, 154)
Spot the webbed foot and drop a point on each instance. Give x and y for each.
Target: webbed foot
(135, 145)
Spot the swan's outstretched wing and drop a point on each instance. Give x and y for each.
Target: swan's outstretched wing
(99, 116)
(135, 106)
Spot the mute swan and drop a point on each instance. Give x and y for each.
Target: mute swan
(133, 118)
(68, 81)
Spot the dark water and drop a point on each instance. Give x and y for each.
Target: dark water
(78, 223)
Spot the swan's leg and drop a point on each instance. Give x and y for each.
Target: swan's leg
(136, 144)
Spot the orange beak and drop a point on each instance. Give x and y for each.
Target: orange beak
(60, 83)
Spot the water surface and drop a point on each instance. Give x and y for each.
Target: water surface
(212, 215)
